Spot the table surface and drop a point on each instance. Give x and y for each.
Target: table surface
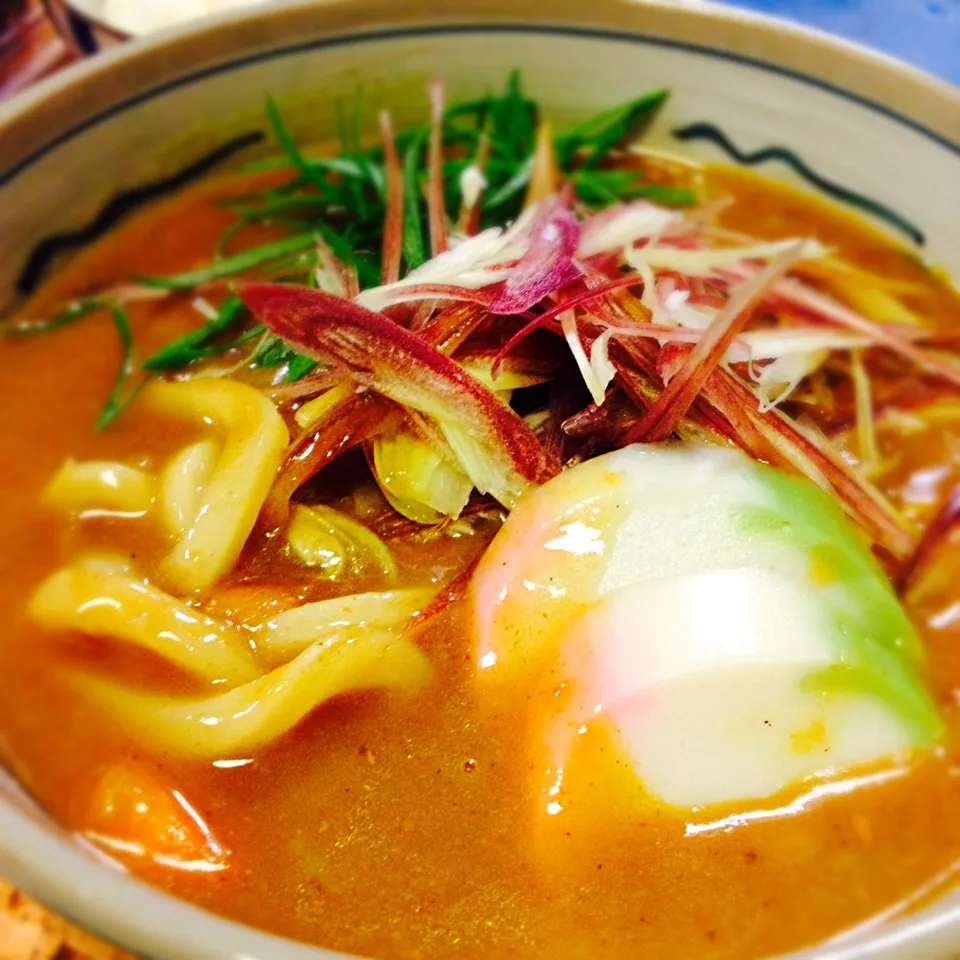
(925, 33)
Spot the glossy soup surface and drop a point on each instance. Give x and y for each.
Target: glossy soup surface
(400, 827)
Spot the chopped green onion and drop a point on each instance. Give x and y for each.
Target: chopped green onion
(512, 188)
(238, 263)
(223, 241)
(298, 367)
(119, 396)
(344, 249)
(274, 352)
(478, 109)
(350, 148)
(513, 121)
(214, 349)
(601, 188)
(307, 170)
(377, 178)
(414, 249)
(72, 314)
(193, 346)
(609, 129)
(342, 132)
(272, 205)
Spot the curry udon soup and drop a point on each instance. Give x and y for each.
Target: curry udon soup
(492, 542)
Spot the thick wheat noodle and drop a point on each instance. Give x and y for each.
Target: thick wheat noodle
(102, 599)
(100, 485)
(288, 634)
(253, 442)
(258, 712)
(182, 483)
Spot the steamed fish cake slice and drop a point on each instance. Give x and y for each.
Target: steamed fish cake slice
(721, 622)
(714, 692)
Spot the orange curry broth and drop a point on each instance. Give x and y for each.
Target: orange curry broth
(403, 827)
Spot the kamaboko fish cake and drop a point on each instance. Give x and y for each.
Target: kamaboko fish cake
(722, 622)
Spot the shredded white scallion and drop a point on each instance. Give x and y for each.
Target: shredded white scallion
(705, 262)
(472, 184)
(666, 155)
(595, 384)
(674, 300)
(471, 262)
(649, 297)
(623, 226)
(775, 343)
(863, 398)
(778, 379)
(600, 363)
(205, 308)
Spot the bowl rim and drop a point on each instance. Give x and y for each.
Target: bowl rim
(36, 857)
(936, 97)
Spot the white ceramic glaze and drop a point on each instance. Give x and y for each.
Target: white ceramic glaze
(146, 110)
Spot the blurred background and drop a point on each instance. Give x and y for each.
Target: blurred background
(925, 33)
(29, 46)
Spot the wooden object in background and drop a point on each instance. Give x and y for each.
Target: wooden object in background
(30, 47)
(29, 932)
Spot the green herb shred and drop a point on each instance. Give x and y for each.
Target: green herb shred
(195, 345)
(120, 396)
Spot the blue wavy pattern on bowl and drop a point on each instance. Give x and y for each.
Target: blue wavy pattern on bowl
(925, 33)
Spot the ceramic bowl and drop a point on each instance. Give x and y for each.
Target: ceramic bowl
(795, 104)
